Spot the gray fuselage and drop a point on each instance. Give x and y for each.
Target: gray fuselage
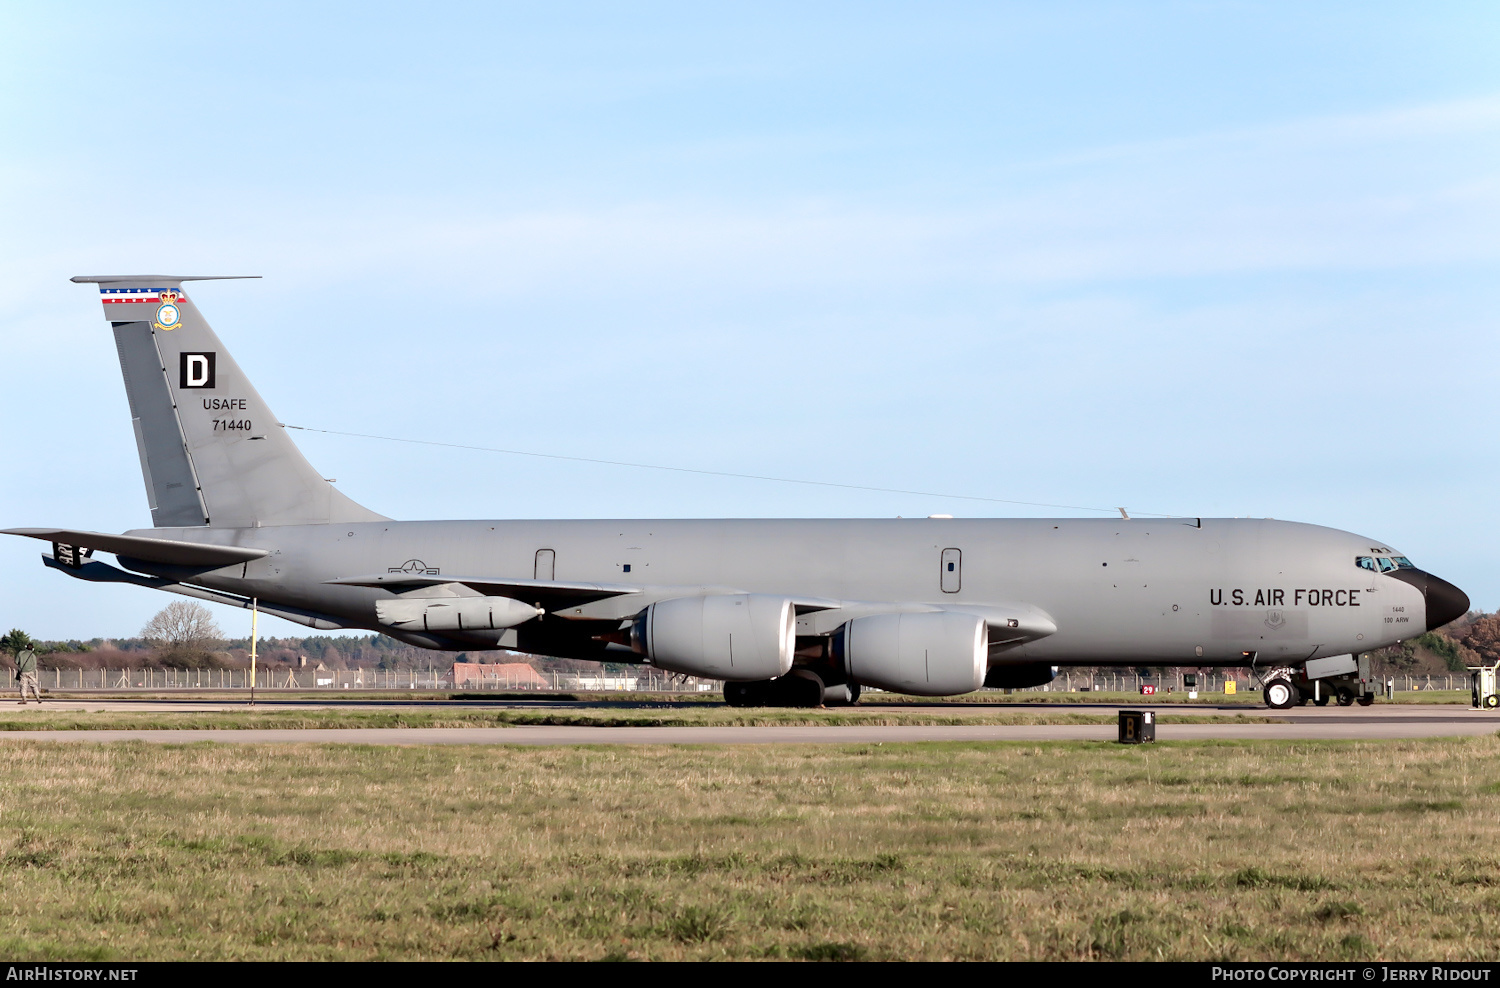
(1126, 591)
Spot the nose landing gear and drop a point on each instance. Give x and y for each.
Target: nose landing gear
(1280, 694)
(1343, 678)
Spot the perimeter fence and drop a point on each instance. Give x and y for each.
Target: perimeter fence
(645, 681)
(1127, 682)
(114, 680)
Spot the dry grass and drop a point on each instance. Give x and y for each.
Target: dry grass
(998, 850)
(698, 715)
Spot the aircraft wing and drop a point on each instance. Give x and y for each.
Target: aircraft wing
(550, 595)
(169, 551)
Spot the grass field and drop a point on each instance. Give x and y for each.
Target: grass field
(696, 715)
(998, 850)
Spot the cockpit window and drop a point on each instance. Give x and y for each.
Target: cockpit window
(1383, 564)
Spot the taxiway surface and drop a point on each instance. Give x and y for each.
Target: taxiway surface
(1364, 723)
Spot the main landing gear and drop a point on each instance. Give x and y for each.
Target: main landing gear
(798, 688)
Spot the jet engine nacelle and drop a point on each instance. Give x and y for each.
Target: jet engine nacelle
(935, 653)
(454, 613)
(1015, 677)
(736, 637)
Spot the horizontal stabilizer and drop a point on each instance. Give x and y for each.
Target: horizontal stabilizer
(97, 572)
(169, 551)
(110, 279)
(550, 595)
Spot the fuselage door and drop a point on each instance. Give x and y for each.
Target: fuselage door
(546, 564)
(953, 571)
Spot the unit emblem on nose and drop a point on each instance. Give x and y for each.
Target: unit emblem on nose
(168, 315)
(1276, 621)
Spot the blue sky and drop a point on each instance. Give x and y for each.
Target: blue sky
(1195, 258)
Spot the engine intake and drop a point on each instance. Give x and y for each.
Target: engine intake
(734, 637)
(454, 613)
(934, 653)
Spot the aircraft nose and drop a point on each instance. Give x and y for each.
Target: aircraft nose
(1445, 602)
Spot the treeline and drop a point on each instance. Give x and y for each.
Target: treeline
(1471, 640)
(328, 651)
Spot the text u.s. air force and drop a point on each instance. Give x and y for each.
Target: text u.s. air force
(1299, 597)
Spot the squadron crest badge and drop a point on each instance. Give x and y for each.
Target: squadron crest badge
(168, 315)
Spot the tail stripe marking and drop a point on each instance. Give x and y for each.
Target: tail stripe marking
(118, 296)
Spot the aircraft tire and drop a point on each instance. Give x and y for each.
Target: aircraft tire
(1345, 696)
(800, 688)
(752, 694)
(1280, 694)
(1322, 698)
(1365, 699)
(846, 695)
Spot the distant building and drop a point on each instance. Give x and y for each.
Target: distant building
(507, 675)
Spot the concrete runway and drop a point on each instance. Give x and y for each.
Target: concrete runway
(1306, 723)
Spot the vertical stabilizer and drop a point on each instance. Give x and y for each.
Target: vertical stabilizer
(211, 451)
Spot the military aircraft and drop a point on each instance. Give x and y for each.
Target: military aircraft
(799, 611)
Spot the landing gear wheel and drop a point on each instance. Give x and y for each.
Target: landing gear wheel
(1491, 702)
(1365, 699)
(800, 688)
(745, 694)
(844, 695)
(1322, 698)
(1280, 694)
(1345, 696)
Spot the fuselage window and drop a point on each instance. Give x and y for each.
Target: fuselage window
(1364, 562)
(1386, 565)
(1402, 562)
